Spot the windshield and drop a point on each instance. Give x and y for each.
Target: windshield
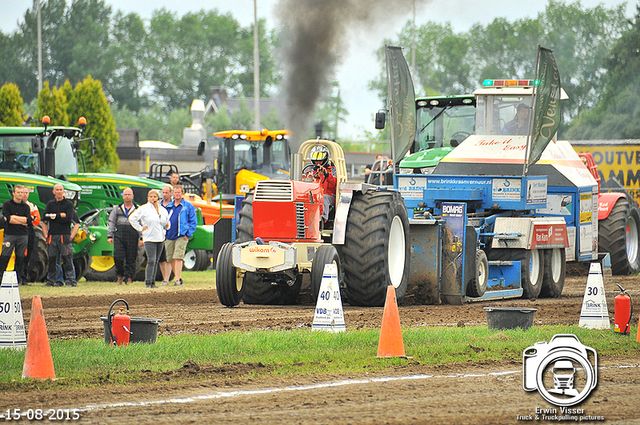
(439, 125)
(504, 114)
(16, 155)
(258, 157)
(66, 162)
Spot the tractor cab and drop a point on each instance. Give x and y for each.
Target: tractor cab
(443, 123)
(51, 151)
(241, 158)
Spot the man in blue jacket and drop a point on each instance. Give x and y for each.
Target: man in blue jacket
(183, 222)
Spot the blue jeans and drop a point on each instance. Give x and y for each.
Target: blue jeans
(153, 249)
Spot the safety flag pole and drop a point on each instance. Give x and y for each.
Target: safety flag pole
(525, 166)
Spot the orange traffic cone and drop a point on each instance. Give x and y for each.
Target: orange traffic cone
(390, 344)
(638, 336)
(38, 362)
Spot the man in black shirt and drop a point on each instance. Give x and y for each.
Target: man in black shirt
(17, 216)
(56, 226)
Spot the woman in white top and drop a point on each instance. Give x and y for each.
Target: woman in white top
(152, 220)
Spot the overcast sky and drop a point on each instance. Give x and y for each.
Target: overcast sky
(359, 65)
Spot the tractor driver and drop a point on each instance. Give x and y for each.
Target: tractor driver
(325, 173)
(520, 124)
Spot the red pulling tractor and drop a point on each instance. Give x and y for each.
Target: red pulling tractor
(280, 237)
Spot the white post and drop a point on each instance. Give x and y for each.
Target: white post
(39, 48)
(256, 67)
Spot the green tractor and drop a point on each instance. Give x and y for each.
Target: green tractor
(55, 151)
(443, 123)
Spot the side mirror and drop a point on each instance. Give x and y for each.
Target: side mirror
(201, 147)
(37, 145)
(381, 118)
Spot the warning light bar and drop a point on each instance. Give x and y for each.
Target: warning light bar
(510, 83)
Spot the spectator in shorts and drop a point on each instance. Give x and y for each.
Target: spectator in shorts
(183, 222)
(151, 220)
(165, 266)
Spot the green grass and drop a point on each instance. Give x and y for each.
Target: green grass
(88, 362)
(193, 280)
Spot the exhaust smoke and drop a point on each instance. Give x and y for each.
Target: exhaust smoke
(315, 37)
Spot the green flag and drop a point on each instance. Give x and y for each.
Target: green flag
(402, 107)
(546, 109)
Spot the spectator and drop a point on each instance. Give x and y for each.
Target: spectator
(124, 237)
(35, 218)
(183, 222)
(174, 179)
(368, 168)
(151, 219)
(165, 266)
(17, 216)
(56, 226)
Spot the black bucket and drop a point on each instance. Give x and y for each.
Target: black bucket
(510, 317)
(142, 329)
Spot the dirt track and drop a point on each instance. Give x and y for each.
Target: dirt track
(198, 311)
(445, 397)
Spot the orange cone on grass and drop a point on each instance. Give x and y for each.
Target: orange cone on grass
(391, 344)
(38, 362)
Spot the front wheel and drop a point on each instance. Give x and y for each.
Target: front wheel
(39, 258)
(195, 260)
(229, 286)
(478, 286)
(376, 249)
(555, 270)
(325, 254)
(81, 264)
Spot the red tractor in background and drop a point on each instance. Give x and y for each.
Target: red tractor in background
(618, 223)
(280, 238)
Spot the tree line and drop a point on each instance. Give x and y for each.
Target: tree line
(151, 70)
(585, 43)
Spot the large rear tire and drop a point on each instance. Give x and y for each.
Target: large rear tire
(555, 270)
(325, 254)
(618, 235)
(229, 287)
(531, 268)
(39, 261)
(245, 223)
(376, 249)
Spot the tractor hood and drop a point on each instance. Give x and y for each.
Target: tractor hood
(426, 158)
(32, 180)
(120, 180)
(504, 155)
